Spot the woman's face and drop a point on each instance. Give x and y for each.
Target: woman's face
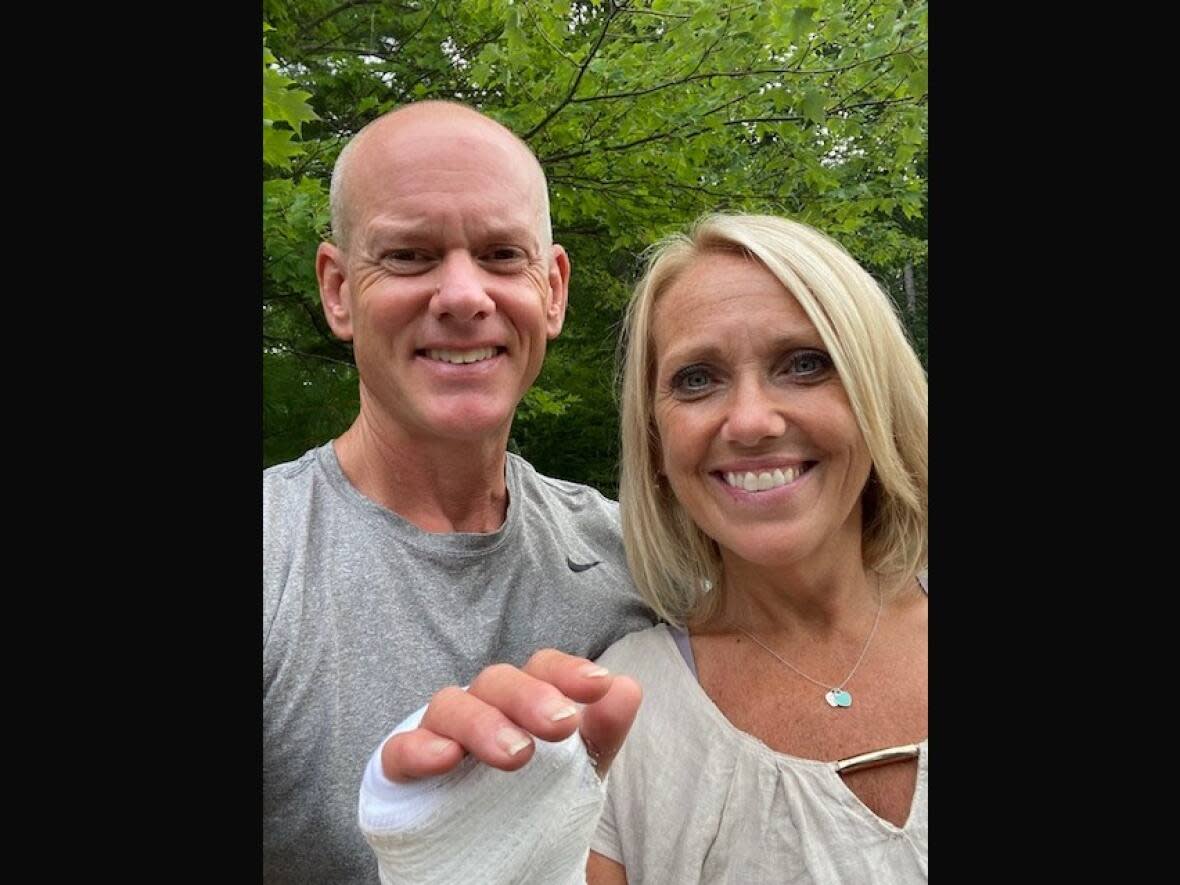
(757, 438)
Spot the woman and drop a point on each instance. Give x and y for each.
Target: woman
(773, 499)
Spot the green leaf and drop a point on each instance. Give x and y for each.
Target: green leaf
(288, 105)
(277, 149)
(479, 73)
(813, 105)
(801, 23)
(279, 102)
(910, 135)
(516, 41)
(902, 64)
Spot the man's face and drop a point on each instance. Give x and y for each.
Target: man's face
(447, 293)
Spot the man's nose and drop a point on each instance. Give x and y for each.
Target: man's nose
(461, 294)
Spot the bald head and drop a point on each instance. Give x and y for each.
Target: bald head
(426, 115)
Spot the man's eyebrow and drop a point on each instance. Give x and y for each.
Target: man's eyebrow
(391, 229)
(491, 231)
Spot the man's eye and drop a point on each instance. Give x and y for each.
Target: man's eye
(405, 255)
(692, 379)
(505, 253)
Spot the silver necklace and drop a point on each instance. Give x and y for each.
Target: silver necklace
(836, 696)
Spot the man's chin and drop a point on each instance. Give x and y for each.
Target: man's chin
(473, 423)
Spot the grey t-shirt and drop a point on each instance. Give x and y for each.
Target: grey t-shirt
(365, 616)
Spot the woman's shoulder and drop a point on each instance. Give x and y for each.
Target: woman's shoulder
(638, 650)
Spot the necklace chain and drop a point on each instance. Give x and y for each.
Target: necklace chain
(863, 651)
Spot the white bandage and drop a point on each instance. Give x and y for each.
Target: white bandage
(479, 824)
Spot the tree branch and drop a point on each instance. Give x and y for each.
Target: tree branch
(881, 103)
(360, 50)
(311, 153)
(752, 73)
(610, 148)
(764, 120)
(594, 183)
(685, 15)
(347, 4)
(660, 14)
(321, 326)
(414, 33)
(286, 347)
(659, 136)
(536, 20)
(343, 35)
(577, 80)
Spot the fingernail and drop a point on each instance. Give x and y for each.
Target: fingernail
(511, 740)
(561, 710)
(593, 670)
(438, 746)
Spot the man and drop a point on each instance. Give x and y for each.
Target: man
(413, 552)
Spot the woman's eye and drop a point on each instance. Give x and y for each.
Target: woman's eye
(809, 363)
(693, 379)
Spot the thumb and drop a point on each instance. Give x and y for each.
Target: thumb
(606, 722)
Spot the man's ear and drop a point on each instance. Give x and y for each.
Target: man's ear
(559, 290)
(334, 291)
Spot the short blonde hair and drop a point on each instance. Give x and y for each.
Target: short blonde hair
(673, 562)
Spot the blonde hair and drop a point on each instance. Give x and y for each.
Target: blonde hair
(673, 562)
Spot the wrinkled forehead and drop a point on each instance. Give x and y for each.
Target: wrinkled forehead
(711, 297)
(410, 160)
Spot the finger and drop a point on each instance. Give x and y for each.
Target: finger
(577, 678)
(605, 724)
(419, 753)
(480, 728)
(533, 704)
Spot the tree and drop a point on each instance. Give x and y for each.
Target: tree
(644, 115)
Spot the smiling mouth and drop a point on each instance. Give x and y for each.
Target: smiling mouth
(462, 357)
(765, 480)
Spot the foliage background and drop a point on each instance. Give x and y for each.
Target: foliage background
(644, 114)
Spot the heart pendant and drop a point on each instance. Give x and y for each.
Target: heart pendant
(838, 697)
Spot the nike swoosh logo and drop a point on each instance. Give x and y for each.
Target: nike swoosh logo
(580, 566)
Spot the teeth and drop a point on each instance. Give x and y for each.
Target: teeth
(761, 482)
(461, 357)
